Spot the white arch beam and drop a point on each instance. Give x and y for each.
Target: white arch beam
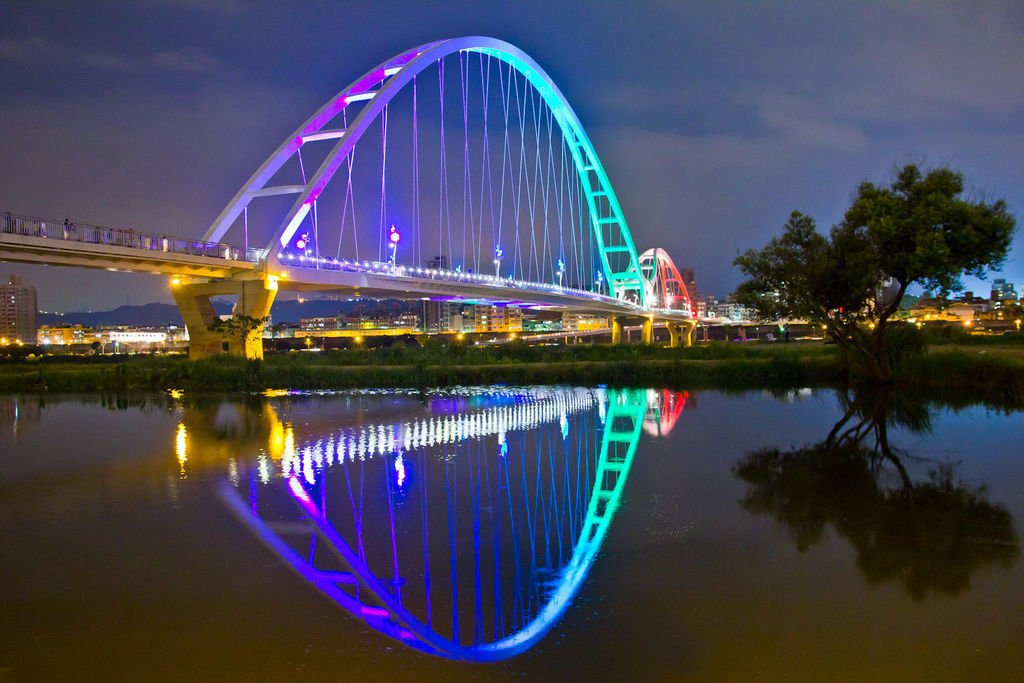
(377, 88)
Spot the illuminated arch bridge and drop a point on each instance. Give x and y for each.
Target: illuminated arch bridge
(456, 170)
(465, 535)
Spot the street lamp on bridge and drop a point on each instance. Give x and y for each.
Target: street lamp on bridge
(498, 253)
(302, 243)
(393, 239)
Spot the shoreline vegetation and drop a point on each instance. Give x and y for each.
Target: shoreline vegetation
(986, 368)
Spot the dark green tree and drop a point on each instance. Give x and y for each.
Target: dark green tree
(920, 230)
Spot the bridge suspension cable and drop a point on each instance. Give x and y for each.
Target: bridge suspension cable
(511, 167)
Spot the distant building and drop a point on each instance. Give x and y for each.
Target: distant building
(66, 335)
(18, 309)
(690, 280)
(542, 321)
(977, 303)
(961, 311)
(177, 334)
(437, 316)
(735, 311)
(481, 318)
(513, 319)
(321, 323)
(1003, 291)
(486, 318)
(343, 324)
(78, 338)
(711, 308)
(583, 322)
(137, 336)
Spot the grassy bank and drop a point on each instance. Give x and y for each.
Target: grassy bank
(717, 365)
(991, 370)
(987, 369)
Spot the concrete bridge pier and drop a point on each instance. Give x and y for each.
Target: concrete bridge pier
(616, 330)
(681, 333)
(255, 298)
(647, 331)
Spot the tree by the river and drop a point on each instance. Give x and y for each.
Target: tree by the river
(920, 230)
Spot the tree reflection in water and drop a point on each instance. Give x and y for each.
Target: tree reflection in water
(929, 535)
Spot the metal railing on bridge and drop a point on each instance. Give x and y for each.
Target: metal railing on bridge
(443, 275)
(69, 231)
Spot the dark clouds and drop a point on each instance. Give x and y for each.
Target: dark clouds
(714, 119)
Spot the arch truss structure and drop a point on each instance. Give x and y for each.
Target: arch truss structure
(666, 289)
(465, 536)
(460, 157)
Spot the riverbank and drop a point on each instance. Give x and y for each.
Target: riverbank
(710, 366)
(989, 369)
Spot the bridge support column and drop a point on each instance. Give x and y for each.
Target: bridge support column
(255, 298)
(681, 333)
(647, 331)
(675, 333)
(616, 330)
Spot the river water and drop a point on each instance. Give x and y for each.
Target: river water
(535, 533)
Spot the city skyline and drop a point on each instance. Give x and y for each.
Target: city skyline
(715, 120)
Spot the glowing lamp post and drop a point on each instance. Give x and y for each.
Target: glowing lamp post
(560, 271)
(498, 253)
(393, 239)
(600, 282)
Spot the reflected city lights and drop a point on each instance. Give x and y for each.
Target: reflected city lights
(400, 469)
(275, 393)
(181, 447)
(275, 442)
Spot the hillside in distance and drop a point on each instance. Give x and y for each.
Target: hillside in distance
(159, 315)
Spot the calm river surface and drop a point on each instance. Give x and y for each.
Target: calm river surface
(536, 533)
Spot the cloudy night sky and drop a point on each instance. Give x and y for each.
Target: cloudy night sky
(713, 120)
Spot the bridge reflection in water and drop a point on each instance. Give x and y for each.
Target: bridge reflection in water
(463, 529)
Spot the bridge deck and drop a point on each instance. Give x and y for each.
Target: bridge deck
(33, 240)
(376, 279)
